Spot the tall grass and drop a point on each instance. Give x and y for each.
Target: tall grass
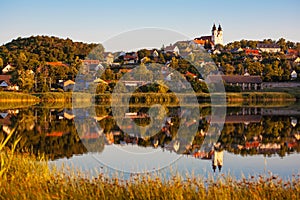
(29, 178)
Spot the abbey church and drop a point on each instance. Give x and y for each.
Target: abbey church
(212, 40)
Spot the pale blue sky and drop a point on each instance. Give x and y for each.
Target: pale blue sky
(96, 21)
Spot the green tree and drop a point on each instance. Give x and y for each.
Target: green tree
(1, 63)
(26, 80)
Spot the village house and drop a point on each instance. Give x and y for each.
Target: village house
(8, 68)
(108, 58)
(245, 82)
(237, 50)
(269, 48)
(297, 60)
(57, 64)
(130, 58)
(253, 52)
(291, 54)
(5, 83)
(91, 65)
(171, 49)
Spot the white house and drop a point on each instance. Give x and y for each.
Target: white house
(172, 49)
(297, 60)
(269, 48)
(7, 68)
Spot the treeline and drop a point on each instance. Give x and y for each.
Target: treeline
(45, 60)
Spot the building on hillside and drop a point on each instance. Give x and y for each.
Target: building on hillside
(108, 57)
(8, 68)
(57, 64)
(254, 52)
(172, 49)
(297, 60)
(91, 66)
(269, 48)
(212, 40)
(245, 82)
(5, 83)
(237, 50)
(130, 58)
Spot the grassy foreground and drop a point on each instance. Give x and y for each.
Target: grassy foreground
(24, 177)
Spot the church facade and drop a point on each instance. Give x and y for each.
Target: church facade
(212, 40)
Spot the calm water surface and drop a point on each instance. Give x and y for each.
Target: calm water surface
(253, 141)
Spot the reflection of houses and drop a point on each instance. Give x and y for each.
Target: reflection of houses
(5, 122)
(217, 158)
(55, 134)
(245, 82)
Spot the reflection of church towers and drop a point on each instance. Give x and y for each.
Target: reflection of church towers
(217, 35)
(217, 157)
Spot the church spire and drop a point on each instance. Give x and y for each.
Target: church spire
(219, 28)
(214, 28)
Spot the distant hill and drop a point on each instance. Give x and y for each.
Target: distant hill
(36, 49)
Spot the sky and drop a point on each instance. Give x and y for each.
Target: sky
(98, 21)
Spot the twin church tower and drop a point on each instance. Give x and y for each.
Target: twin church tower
(215, 38)
(217, 35)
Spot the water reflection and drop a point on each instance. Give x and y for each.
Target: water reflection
(247, 132)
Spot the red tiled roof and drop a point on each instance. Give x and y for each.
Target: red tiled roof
(251, 51)
(5, 78)
(54, 134)
(89, 62)
(57, 64)
(190, 74)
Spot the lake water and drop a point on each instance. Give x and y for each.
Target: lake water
(253, 140)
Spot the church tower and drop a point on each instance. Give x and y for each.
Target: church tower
(217, 35)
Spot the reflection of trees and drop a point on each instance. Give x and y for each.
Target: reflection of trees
(44, 132)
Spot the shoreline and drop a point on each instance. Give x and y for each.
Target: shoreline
(149, 98)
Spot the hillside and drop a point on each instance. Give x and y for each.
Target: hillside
(32, 51)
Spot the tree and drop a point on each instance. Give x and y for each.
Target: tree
(26, 80)
(96, 53)
(1, 63)
(229, 69)
(281, 42)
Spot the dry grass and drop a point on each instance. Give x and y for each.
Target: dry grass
(26, 177)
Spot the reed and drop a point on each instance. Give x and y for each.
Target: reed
(28, 177)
